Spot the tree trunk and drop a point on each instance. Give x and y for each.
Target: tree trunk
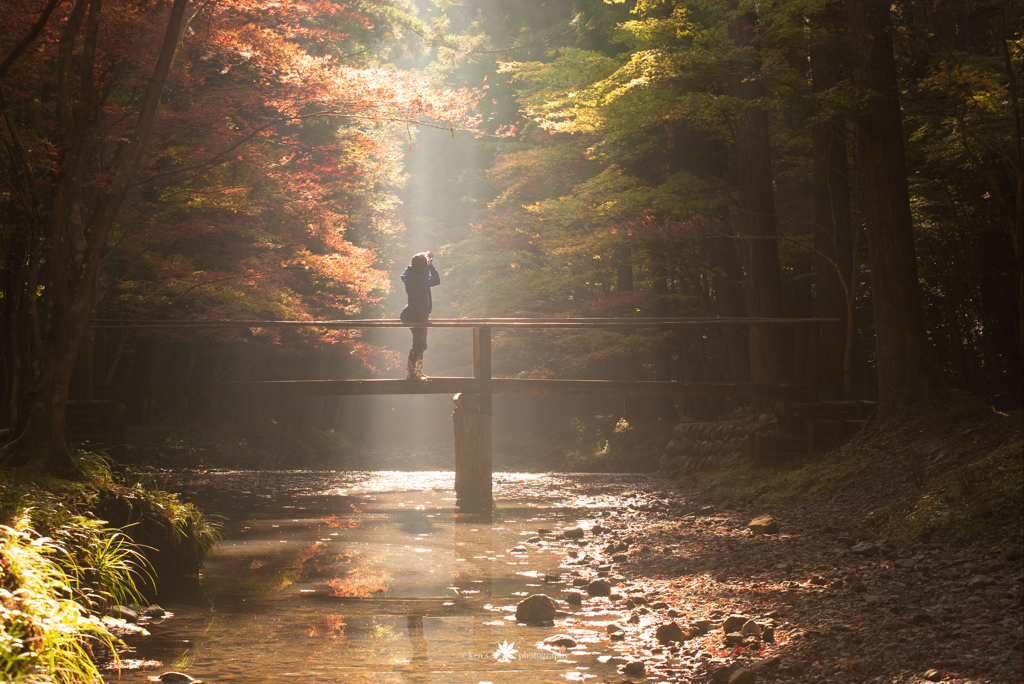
(728, 284)
(903, 359)
(768, 358)
(833, 235)
(75, 228)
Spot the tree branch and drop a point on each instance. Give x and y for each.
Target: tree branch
(29, 37)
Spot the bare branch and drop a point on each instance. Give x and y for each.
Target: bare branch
(29, 38)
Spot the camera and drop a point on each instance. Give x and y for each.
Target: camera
(430, 255)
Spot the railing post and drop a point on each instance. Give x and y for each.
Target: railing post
(472, 424)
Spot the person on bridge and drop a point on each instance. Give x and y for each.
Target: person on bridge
(419, 277)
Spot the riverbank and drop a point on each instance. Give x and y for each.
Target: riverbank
(708, 591)
(894, 558)
(74, 555)
(947, 472)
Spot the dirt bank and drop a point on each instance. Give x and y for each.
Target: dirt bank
(896, 558)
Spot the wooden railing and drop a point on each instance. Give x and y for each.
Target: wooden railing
(803, 388)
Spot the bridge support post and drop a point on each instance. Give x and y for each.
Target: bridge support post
(472, 420)
(473, 469)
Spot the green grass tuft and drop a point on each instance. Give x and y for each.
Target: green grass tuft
(63, 563)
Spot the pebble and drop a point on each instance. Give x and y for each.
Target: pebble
(175, 678)
(751, 628)
(764, 524)
(743, 676)
(123, 613)
(734, 623)
(560, 640)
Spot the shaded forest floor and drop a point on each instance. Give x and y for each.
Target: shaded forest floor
(950, 472)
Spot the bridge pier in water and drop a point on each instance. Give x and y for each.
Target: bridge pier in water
(473, 465)
(473, 421)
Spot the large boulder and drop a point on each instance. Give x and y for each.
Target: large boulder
(669, 632)
(536, 609)
(734, 623)
(764, 524)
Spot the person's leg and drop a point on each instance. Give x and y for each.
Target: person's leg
(419, 343)
(414, 369)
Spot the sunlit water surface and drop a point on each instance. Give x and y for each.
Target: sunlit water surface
(370, 577)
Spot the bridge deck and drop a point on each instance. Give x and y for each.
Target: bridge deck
(454, 385)
(518, 323)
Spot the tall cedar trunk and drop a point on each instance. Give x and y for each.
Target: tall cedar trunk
(74, 231)
(728, 285)
(833, 236)
(634, 409)
(662, 408)
(757, 205)
(903, 360)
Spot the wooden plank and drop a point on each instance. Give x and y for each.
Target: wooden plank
(441, 385)
(268, 388)
(649, 388)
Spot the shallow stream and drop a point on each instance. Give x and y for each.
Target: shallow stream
(373, 577)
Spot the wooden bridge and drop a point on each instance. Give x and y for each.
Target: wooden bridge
(472, 395)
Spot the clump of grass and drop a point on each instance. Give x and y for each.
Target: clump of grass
(64, 562)
(45, 633)
(174, 536)
(966, 502)
(746, 484)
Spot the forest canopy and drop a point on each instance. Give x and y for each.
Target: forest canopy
(627, 158)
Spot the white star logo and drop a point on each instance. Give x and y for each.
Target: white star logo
(506, 652)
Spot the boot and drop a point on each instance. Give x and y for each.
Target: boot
(414, 370)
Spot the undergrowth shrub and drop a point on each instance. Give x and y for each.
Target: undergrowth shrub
(46, 634)
(66, 557)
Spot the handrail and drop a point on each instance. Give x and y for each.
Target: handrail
(528, 323)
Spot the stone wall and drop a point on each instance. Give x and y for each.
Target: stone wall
(704, 446)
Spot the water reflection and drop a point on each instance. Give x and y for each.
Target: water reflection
(367, 577)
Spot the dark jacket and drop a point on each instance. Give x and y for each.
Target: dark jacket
(417, 286)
